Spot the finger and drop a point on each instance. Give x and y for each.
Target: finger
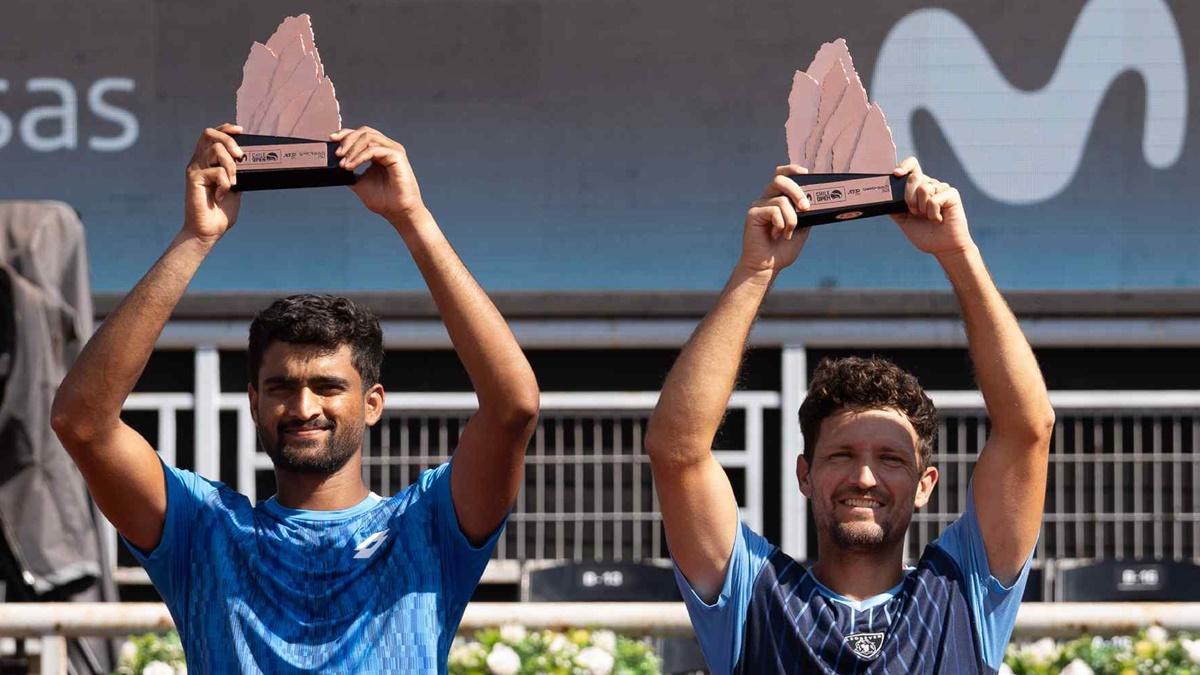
(230, 128)
(376, 153)
(339, 134)
(915, 180)
(782, 185)
(921, 196)
(784, 204)
(212, 136)
(933, 209)
(908, 165)
(354, 143)
(358, 153)
(216, 179)
(221, 157)
(778, 223)
(790, 170)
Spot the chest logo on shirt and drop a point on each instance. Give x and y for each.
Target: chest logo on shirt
(865, 646)
(369, 545)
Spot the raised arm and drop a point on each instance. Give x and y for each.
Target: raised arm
(698, 506)
(1010, 476)
(121, 469)
(490, 456)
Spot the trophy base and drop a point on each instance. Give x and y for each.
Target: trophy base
(849, 196)
(282, 162)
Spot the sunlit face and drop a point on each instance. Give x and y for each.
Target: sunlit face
(865, 479)
(310, 407)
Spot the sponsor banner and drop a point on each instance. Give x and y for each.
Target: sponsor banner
(597, 145)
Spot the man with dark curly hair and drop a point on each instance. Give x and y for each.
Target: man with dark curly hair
(325, 576)
(868, 431)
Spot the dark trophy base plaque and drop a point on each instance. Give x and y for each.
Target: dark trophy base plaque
(847, 196)
(280, 162)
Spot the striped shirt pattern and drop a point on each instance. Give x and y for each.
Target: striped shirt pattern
(948, 614)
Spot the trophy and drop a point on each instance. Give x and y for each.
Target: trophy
(843, 140)
(287, 108)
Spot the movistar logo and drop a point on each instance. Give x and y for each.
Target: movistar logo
(1024, 147)
(369, 545)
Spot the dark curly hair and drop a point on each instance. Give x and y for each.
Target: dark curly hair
(323, 321)
(863, 384)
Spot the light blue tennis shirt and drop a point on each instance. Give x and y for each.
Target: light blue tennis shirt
(378, 587)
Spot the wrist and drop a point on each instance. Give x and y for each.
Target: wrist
(957, 256)
(754, 275)
(190, 237)
(410, 218)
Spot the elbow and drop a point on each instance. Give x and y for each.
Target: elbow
(69, 421)
(521, 409)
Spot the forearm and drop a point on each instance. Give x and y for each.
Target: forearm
(697, 390)
(501, 375)
(91, 395)
(1007, 372)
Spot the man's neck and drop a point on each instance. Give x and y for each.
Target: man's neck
(859, 575)
(315, 492)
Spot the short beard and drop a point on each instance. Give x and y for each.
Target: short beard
(861, 536)
(338, 449)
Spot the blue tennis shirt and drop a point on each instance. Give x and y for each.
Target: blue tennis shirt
(378, 587)
(948, 615)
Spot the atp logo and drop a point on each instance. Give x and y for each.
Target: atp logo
(865, 646)
(369, 545)
(1025, 147)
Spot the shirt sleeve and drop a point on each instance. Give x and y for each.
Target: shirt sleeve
(167, 563)
(462, 563)
(993, 605)
(720, 626)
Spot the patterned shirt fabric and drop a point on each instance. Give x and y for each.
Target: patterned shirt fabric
(378, 587)
(948, 614)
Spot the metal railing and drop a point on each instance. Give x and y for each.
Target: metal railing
(588, 493)
(1124, 478)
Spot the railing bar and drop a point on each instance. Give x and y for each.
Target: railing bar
(1098, 485)
(578, 429)
(560, 535)
(1139, 548)
(1156, 497)
(637, 487)
(1176, 489)
(618, 493)
(1119, 485)
(598, 486)
(1058, 492)
(539, 442)
(1078, 505)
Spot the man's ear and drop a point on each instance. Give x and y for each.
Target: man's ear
(374, 404)
(802, 476)
(928, 480)
(253, 394)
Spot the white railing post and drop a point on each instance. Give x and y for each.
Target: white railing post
(794, 539)
(54, 655)
(207, 412)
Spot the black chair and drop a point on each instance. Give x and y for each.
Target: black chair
(1132, 581)
(617, 582)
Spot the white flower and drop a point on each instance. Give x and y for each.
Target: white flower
(1042, 652)
(560, 644)
(181, 669)
(1157, 634)
(512, 633)
(128, 652)
(503, 660)
(1192, 647)
(1078, 667)
(606, 640)
(1004, 670)
(158, 668)
(595, 661)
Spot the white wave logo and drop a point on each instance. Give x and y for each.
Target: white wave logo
(1020, 146)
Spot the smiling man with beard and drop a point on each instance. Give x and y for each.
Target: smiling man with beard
(869, 431)
(325, 576)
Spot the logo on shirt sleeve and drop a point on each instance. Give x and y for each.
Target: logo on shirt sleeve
(369, 545)
(865, 646)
